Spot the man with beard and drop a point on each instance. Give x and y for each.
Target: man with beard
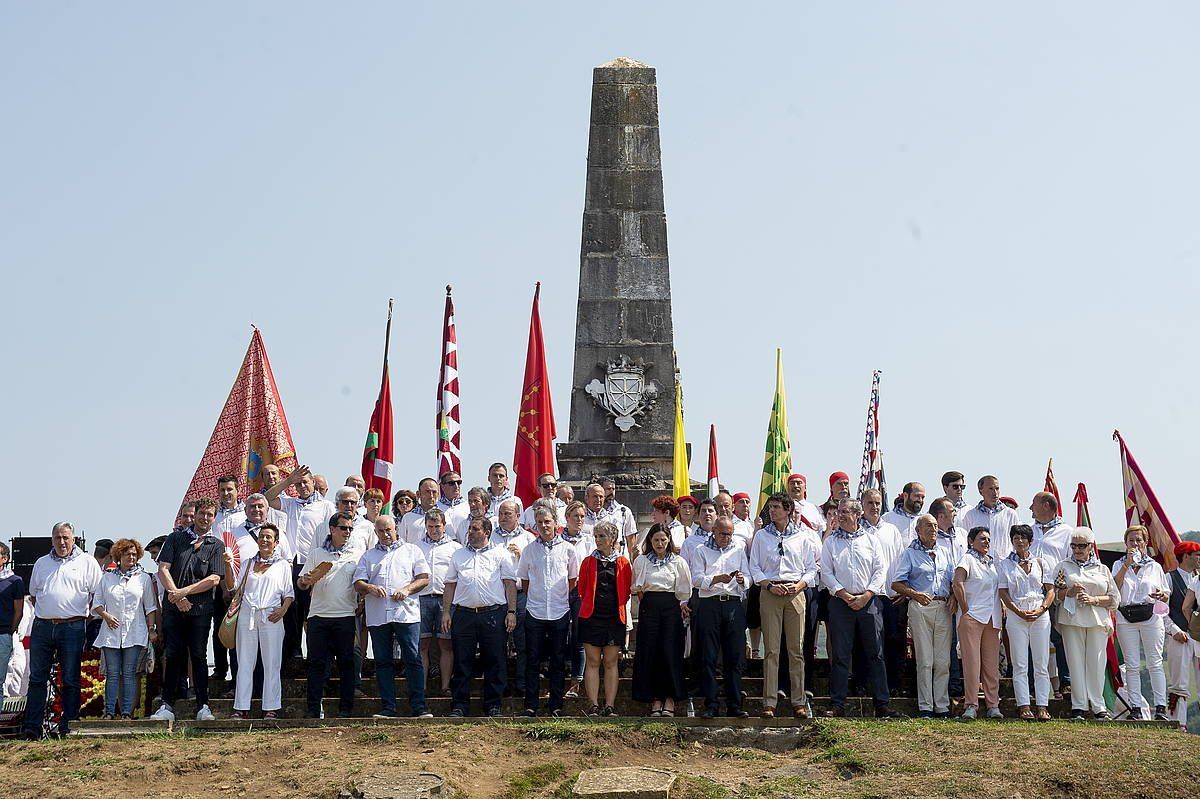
(906, 510)
(804, 512)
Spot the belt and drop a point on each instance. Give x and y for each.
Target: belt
(67, 620)
(782, 582)
(484, 609)
(723, 598)
(941, 599)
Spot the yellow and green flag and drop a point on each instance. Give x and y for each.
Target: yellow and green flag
(682, 483)
(777, 462)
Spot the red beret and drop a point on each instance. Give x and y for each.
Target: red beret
(797, 476)
(1186, 548)
(739, 496)
(687, 498)
(833, 478)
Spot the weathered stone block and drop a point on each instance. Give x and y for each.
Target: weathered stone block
(624, 783)
(629, 71)
(624, 147)
(647, 321)
(402, 785)
(623, 190)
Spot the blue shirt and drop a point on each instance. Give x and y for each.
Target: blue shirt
(922, 573)
(12, 588)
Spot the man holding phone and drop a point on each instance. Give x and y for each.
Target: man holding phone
(720, 571)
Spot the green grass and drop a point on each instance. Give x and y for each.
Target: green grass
(534, 779)
(838, 749)
(781, 787)
(372, 737)
(662, 733)
(740, 753)
(36, 756)
(689, 786)
(81, 774)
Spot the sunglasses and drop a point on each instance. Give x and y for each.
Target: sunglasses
(549, 485)
(452, 482)
(1079, 546)
(343, 528)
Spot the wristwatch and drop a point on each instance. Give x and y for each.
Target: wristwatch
(512, 611)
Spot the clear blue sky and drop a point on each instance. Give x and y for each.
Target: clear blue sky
(995, 205)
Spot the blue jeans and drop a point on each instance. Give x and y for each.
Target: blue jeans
(46, 641)
(408, 636)
(120, 676)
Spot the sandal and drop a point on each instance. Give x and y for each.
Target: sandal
(656, 711)
(1043, 714)
(668, 713)
(594, 710)
(1025, 714)
(767, 713)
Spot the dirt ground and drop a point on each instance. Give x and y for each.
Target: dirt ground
(509, 761)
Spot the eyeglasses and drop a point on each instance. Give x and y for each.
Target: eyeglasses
(347, 500)
(452, 482)
(959, 486)
(1079, 546)
(549, 485)
(343, 527)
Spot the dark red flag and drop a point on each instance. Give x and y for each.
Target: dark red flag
(534, 452)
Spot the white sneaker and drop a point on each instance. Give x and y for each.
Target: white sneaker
(164, 713)
(204, 714)
(970, 714)
(994, 713)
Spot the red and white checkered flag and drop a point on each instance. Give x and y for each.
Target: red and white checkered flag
(449, 427)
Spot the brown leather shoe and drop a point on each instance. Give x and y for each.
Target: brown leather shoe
(767, 713)
(800, 711)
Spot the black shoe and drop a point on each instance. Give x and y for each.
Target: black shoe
(528, 712)
(458, 713)
(835, 713)
(1160, 713)
(708, 714)
(941, 714)
(495, 713)
(925, 714)
(888, 712)
(308, 714)
(608, 711)
(740, 714)
(1078, 715)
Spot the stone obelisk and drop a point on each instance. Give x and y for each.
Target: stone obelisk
(623, 386)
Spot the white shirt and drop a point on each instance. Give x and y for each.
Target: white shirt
(303, 520)
(1097, 581)
(891, 544)
(454, 513)
(854, 564)
(130, 600)
(393, 569)
(362, 536)
(234, 516)
(998, 522)
(618, 514)
(437, 555)
(585, 545)
(709, 562)
(955, 547)
(799, 560)
(479, 575)
(548, 570)
(412, 526)
(242, 546)
(811, 513)
(518, 537)
(333, 595)
(1053, 541)
(1027, 591)
(693, 542)
(494, 502)
(266, 591)
(983, 602)
(903, 521)
(460, 532)
(527, 520)
(232, 520)
(671, 575)
(1136, 588)
(64, 588)
(743, 531)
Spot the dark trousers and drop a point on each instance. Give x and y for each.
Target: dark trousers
(482, 631)
(955, 684)
(545, 640)
(48, 641)
(408, 636)
(186, 638)
(1060, 651)
(293, 620)
(576, 645)
(221, 655)
(720, 632)
(846, 626)
(812, 618)
(518, 642)
(895, 639)
(328, 639)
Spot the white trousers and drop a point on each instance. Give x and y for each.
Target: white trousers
(1182, 663)
(1143, 640)
(1087, 660)
(1024, 636)
(258, 637)
(931, 626)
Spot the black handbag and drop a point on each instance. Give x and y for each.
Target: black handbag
(1136, 613)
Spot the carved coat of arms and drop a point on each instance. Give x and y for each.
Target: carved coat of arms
(626, 393)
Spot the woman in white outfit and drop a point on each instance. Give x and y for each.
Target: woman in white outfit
(127, 602)
(1139, 629)
(1026, 586)
(1085, 588)
(266, 582)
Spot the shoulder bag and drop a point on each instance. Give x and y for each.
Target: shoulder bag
(227, 632)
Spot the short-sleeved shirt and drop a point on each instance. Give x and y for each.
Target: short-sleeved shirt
(980, 586)
(393, 569)
(191, 563)
(12, 589)
(548, 570)
(479, 574)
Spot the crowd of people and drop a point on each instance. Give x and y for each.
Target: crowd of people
(453, 582)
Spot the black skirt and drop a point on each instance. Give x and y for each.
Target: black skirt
(658, 659)
(600, 631)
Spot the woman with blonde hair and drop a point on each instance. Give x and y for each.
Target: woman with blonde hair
(1139, 629)
(127, 604)
(604, 580)
(1086, 593)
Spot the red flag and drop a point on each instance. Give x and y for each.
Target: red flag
(714, 482)
(1142, 507)
(1082, 517)
(377, 453)
(449, 456)
(1051, 486)
(251, 432)
(533, 455)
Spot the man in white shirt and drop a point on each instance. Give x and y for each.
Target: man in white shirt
(620, 515)
(61, 588)
(721, 573)
(347, 500)
(412, 526)
(548, 486)
(230, 513)
(437, 547)
(227, 500)
(548, 570)
(513, 539)
(1052, 543)
(390, 575)
(743, 531)
(306, 512)
(783, 564)
(453, 502)
(803, 511)
(479, 610)
(329, 575)
(895, 613)
(905, 511)
(853, 570)
(477, 505)
(702, 531)
(498, 491)
(954, 485)
(992, 514)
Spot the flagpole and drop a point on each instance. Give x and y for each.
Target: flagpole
(387, 341)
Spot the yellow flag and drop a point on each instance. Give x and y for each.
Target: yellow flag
(777, 461)
(683, 484)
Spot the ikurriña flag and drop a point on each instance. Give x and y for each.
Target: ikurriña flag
(251, 432)
(533, 454)
(378, 455)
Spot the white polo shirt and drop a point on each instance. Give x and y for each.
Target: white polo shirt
(479, 574)
(1052, 541)
(304, 517)
(437, 555)
(494, 502)
(392, 568)
(412, 527)
(527, 520)
(333, 595)
(548, 570)
(891, 544)
(63, 588)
